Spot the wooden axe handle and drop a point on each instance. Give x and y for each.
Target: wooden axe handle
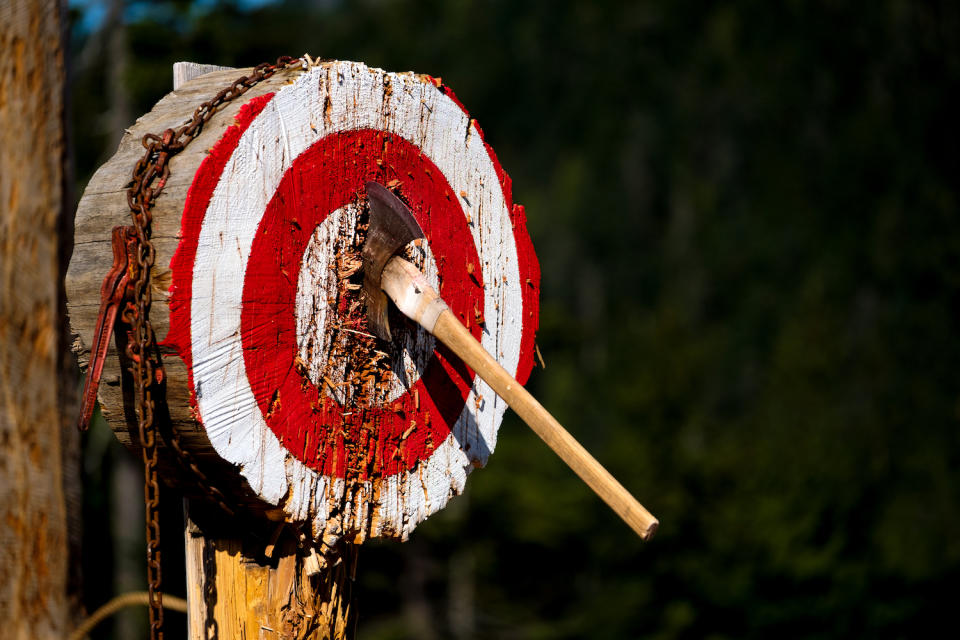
(407, 287)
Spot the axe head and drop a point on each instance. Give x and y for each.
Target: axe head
(392, 227)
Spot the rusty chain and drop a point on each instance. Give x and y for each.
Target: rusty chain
(149, 178)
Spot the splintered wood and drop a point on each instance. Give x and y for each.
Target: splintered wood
(336, 348)
(232, 596)
(344, 433)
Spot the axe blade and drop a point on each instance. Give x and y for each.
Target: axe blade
(392, 227)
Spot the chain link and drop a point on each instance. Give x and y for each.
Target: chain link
(149, 178)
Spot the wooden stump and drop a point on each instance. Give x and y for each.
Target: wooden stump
(258, 233)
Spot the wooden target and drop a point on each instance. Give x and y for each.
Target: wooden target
(281, 376)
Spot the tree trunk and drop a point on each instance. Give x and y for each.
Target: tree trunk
(33, 527)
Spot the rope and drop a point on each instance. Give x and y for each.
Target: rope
(125, 600)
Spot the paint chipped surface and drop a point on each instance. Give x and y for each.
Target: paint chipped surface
(355, 436)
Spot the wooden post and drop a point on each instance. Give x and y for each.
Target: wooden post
(34, 393)
(234, 590)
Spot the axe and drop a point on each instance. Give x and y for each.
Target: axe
(392, 227)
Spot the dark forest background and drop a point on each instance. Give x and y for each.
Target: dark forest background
(747, 219)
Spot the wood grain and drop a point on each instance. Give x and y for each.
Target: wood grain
(33, 524)
(184, 72)
(234, 591)
(104, 206)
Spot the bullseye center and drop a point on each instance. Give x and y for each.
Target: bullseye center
(335, 347)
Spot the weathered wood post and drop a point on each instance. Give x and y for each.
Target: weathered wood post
(315, 434)
(36, 389)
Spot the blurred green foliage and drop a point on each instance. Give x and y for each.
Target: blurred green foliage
(747, 220)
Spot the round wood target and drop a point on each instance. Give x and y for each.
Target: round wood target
(357, 436)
